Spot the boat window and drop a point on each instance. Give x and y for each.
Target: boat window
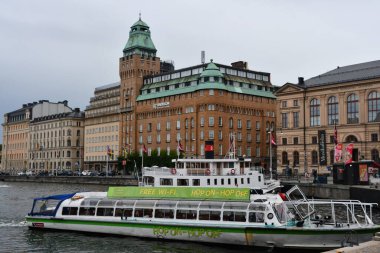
(182, 182)
(188, 204)
(257, 207)
(229, 181)
(104, 211)
(45, 206)
(242, 180)
(248, 180)
(236, 205)
(145, 203)
(280, 210)
(164, 214)
(196, 182)
(69, 210)
(256, 217)
(259, 178)
(89, 202)
(166, 181)
(144, 212)
(222, 181)
(215, 181)
(208, 181)
(186, 214)
(209, 215)
(166, 204)
(87, 211)
(121, 212)
(236, 183)
(211, 205)
(107, 203)
(231, 165)
(126, 203)
(234, 216)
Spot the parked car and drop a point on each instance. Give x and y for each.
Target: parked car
(29, 173)
(43, 174)
(86, 173)
(21, 173)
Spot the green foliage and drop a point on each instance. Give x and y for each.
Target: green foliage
(134, 159)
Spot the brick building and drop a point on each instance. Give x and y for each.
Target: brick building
(193, 104)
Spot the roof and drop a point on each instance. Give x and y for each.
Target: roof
(107, 86)
(361, 71)
(204, 86)
(139, 38)
(211, 70)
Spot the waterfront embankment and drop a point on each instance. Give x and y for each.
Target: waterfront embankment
(365, 247)
(128, 181)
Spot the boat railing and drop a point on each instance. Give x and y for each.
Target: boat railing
(155, 170)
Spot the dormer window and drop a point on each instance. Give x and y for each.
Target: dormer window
(206, 79)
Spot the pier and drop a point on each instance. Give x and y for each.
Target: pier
(366, 247)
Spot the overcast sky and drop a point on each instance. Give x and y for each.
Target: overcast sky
(61, 50)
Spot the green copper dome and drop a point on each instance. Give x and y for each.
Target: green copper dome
(211, 71)
(139, 41)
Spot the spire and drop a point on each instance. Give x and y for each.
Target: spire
(139, 41)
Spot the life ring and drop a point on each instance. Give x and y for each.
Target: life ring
(208, 172)
(76, 197)
(174, 171)
(233, 172)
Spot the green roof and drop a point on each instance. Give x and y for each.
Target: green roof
(204, 86)
(211, 70)
(139, 38)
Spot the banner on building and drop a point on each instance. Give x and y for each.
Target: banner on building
(322, 147)
(349, 149)
(338, 152)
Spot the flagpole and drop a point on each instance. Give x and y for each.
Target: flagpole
(108, 157)
(177, 149)
(270, 153)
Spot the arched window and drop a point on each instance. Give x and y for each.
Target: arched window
(231, 122)
(315, 113)
(78, 142)
(68, 165)
(192, 123)
(333, 110)
(186, 123)
(351, 138)
(78, 153)
(375, 155)
(314, 157)
(68, 154)
(284, 157)
(69, 143)
(352, 109)
(78, 132)
(272, 126)
(332, 156)
(296, 158)
(69, 132)
(374, 107)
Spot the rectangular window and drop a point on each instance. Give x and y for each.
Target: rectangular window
(258, 137)
(374, 137)
(211, 134)
(295, 102)
(295, 140)
(284, 104)
(158, 126)
(178, 124)
(248, 124)
(220, 135)
(249, 137)
(284, 141)
(314, 140)
(211, 121)
(202, 135)
(202, 121)
(296, 119)
(257, 125)
(284, 120)
(168, 125)
(168, 137)
(220, 121)
(149, 127)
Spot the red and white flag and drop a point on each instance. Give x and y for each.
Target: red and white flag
(272, 139)
(335, 135)
(144, 149)
(180, 147)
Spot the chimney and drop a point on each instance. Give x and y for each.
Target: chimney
(203, 57)
(64, 102)
(24, 105)
(240, 65)
(301, 81)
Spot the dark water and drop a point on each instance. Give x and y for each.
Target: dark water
(16, 200)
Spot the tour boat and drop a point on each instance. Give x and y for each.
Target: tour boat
(210, 215)
(228, 172)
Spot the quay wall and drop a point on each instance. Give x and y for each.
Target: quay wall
(127, 181)
(337, 191)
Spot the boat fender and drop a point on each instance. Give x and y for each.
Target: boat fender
(174, 171)
(270, 216)
(208, 172)
(233, 172)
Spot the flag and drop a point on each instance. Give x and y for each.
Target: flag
(272, 140)
(335, 135)
(338, 152)
(144, 149)
(349, 149)
(180, 147)
(109, 151)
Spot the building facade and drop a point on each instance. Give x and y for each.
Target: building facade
(206, 102)
(15, 139)
(102, 128)
(43, 136)
(347, 98)
(56, 138)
